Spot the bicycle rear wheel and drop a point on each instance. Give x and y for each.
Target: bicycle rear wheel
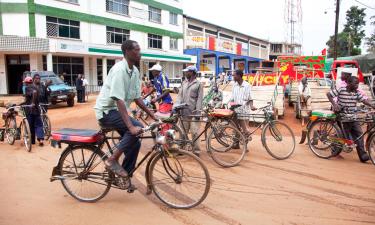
(46, 127)
(84, 175)
(179, 179)
(26, 134)
(370, 147)
(226, 145)
(279, 140)
(11, 130)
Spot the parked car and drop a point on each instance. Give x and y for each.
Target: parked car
(60, 92)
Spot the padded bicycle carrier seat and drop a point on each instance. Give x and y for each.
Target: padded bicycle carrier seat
(76, 136)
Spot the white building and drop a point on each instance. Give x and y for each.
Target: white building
(84, 37)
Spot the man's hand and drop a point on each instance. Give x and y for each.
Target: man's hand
(134, 130)
(253, 108)
(154, 100)
(336, 107)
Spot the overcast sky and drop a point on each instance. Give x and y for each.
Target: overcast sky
(265, 18)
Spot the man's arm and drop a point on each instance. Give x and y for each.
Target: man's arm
(180, 94)
(330, 96)
(200, 98)
(125, 117)
(139, 102)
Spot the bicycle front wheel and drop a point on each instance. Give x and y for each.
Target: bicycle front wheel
(226, 145)
(179, 179)
(46, 127)
(370, 147)
(278, 139)
(84, 175)
(11, 130)
(26, 134)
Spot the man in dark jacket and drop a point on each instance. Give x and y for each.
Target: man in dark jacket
(79, 88)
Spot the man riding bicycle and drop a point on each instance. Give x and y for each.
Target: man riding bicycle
(347, 98)
(121, 87)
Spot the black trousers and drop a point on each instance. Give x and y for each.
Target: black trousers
(80, 95)
(355, 131)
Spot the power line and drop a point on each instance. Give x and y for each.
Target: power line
(365, 5)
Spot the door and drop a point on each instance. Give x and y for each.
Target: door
(16, 66)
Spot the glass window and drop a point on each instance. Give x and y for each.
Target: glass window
(173, 44)
(155, 41)
(118, 6)
(117, 35)
(173, 18)
(57, 27)
(71, 66)
(154, 14)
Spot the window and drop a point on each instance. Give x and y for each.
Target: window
(226, 36)
(253, 43)
(117, 35)
(155, 41)
(195, 27)
(211, 32)
(173, 18)
(263, 46)
(99, 67)
(69, 66)
(173, 44)
(57, 27)
(154, 14)
(118, 6)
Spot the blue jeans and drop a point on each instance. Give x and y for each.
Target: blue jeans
(36, 127)
(129, 144)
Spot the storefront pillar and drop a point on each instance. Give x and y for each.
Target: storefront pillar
(104, 60)
(49, 62)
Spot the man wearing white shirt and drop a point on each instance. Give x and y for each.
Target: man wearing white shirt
(304, 92)
(84, 84)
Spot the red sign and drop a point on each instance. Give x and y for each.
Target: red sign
(211, 43)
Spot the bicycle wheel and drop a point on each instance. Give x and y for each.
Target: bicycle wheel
(226, 145)
(318, 141)
(46, 127)
(370, 147)
(26, 134)
(11, 130)
(278, 139)
(179, 179)
(84, 175)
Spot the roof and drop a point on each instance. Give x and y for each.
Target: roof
(212, 24)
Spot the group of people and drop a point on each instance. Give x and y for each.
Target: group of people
(81, 84)
(36, 93)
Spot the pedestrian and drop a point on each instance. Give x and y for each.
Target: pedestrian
(161, 85)
(33, 112)
(44, 92)
(304, 92)
(346, 104)
(191, 93)
(79, 88)
(85, 84)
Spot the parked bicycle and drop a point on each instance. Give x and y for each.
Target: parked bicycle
(13, 132)
(178, 178)
(45, 120)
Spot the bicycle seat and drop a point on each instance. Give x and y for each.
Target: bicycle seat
(234, 106)
(160, 115)
(76, 136)
(221, 113)
(180, 106)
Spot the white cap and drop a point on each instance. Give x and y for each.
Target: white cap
(156, 67)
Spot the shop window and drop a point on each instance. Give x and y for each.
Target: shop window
(117, 35)
(69, 67)
(118, 6)
(154, 14)
(57, 27)
(155, 41)
(99, 68)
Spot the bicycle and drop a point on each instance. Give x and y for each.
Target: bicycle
(326, 137)
(11, 131)
(275, 135)
(168, 169)
(220, 140)
(45, 120)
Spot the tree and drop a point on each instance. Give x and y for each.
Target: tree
(350, 39)
(370, 41)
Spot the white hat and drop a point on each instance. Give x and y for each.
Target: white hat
(156, 67)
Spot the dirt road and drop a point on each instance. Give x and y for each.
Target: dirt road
(301, 190)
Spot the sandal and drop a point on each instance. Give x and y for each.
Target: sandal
(116, 168)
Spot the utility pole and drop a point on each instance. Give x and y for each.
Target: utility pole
(336, 29)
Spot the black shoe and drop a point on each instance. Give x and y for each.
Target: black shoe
(236, 146)
(364, 157)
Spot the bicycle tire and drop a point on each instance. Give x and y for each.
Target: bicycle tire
(10, 130)
(106, 177)
(318, 151)
(279, 136)
(26, 134)
(181, 161)
(46, 127)
(227, 156)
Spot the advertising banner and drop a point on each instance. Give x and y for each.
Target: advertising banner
(195, 41)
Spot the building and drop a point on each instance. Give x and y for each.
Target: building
(220, 49)
(284, 49)
(74, 37)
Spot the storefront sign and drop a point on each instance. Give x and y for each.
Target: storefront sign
(71, 47)
(224, 46)
(265, 79)
(195, 41)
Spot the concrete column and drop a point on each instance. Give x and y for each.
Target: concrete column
(104, 60)
(94, 72)
(217, 65)
(33, 62)
(86, 67)
(3, 76)
(49, 62)
(198, 60)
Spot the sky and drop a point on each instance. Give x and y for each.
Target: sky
(265, 19)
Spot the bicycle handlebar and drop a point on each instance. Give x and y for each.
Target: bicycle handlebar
(152, 126)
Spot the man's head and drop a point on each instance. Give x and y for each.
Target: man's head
(304, 81)
(345, 76)
(353, 83)
(36, 79)
(190, 71)
(155, 70)
(237, 76)
(79, 76)
(131, 51)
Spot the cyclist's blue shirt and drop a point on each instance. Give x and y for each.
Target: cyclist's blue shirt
(161, 82)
